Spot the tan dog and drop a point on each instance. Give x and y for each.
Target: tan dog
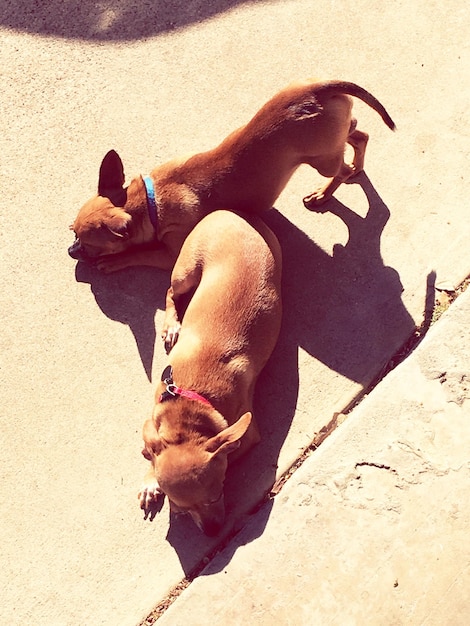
(147, 222)
(222, 321)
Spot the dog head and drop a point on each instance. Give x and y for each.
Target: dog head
(103, 225)
(190, 467)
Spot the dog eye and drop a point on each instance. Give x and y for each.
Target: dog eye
(212, 502)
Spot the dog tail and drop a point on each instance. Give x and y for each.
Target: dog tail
(351, 89)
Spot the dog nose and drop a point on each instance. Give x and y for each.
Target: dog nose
(211, 528)
(76, 251)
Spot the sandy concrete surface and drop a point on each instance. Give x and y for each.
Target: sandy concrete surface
(374, 527)
(80, 350)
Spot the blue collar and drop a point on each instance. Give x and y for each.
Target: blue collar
(151, 202)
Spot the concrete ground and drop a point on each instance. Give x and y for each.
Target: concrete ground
(374, 527)
(79, 349)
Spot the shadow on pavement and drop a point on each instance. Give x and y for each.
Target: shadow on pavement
(113, 20)
(344, 310)
(183, 536)
(131, 297)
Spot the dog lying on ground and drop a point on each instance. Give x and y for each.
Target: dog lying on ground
(147, 222)
(222, 320)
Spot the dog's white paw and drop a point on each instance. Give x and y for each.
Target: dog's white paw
(170, 335)
(150, 495)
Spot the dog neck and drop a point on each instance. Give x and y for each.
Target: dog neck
(172, 390)
(151, 201)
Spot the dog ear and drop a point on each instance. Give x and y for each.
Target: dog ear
(229, 439)
(118, 223)
(111, 176)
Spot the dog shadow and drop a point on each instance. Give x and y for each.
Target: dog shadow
(131, 297)
(345, 310)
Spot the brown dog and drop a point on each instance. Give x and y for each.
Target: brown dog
(147, 222)
(222, 321)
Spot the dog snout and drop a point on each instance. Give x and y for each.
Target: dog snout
(77, 252)
(211, 528)
(210, 521)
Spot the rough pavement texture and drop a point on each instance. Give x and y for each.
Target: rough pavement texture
(374, 527)
(79, 350)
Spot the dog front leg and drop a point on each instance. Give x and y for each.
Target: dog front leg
(160, 258)
(150, 495)
(184, 282)
(171, 324)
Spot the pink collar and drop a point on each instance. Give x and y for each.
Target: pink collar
(173, 390)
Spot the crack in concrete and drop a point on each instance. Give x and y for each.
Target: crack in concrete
(377, 465)
(338, 418)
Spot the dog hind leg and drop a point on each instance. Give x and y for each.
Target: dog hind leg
(358, 140)
(322, 194)
(343, 171)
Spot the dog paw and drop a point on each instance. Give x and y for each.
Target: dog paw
(315, 200)
(353, 173)
(112, 263)
(150, 496)
(170, 335)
